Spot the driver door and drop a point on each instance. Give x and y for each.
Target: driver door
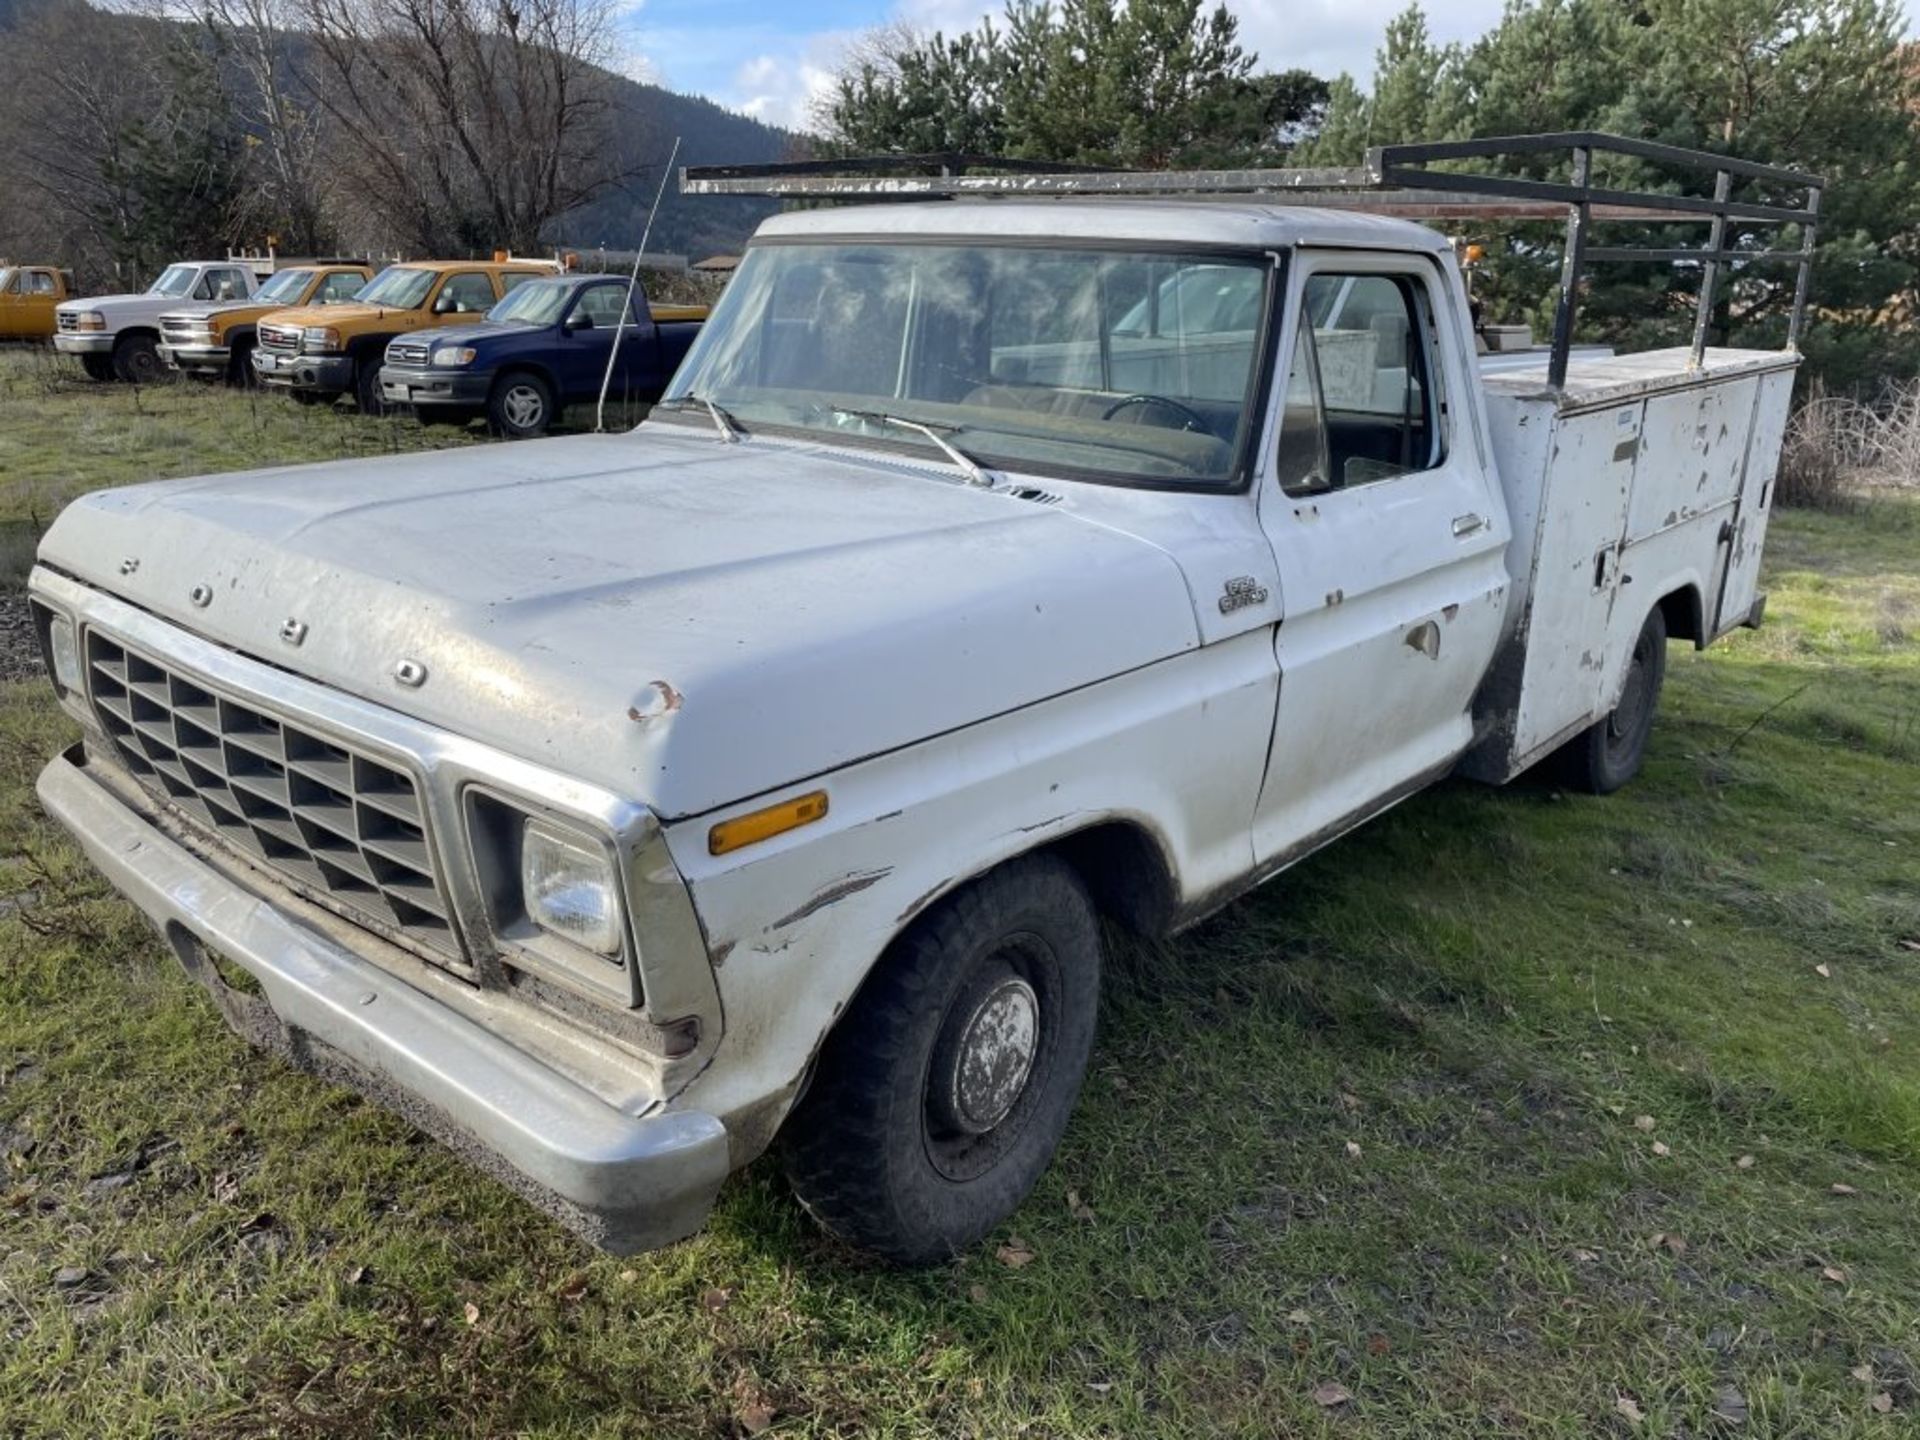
(1389, 531)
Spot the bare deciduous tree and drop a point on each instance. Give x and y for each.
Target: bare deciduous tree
(467, 124)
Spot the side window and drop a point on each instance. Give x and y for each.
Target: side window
(1364, 371)
(41, 283)
(338, 288)
(604, 303)
(203, 287)
(9, 283)
(465, 294)
(514, 279)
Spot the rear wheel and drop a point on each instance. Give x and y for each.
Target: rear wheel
(941, 1095)
(521, 405)
(1610, 752)
(98, 367)
(136, 359)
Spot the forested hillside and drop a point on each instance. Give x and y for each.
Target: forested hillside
(161, 128)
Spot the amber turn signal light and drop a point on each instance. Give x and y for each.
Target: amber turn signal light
(765, 823)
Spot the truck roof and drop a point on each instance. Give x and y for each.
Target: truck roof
(1240, 223)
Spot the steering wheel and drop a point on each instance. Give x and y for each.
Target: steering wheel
(1189, 420)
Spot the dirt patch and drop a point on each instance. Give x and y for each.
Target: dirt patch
(19, 646)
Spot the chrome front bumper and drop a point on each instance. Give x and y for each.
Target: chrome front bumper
(624, 1182)
(90, 342)
(195, 357)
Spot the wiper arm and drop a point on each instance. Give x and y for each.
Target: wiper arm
(975, 472)
(728, 427)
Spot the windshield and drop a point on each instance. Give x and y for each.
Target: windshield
(6, 280)
(285, 285)
(537, 302)
(397, 288)
(1116, 366)
(175, 281)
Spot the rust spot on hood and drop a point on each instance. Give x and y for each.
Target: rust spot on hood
(659, 699)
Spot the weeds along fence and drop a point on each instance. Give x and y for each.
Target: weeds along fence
(1837, 444)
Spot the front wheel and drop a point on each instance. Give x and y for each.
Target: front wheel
(136, 359)
(98, 367)
(367, 393)
(521, 406)
(941, 1095)
(1610, 752)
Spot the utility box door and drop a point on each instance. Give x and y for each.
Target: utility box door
(1583, 497)
(1740, 587)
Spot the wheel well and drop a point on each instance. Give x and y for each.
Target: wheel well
(1682, 612)
(1125, 870)
(525, 367)
(134, 332)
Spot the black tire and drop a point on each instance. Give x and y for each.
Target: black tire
(366, 386)
(136, 360)
(98, 367)
(310, 397)
(521, 405)
(431, 415)
(1610, 752)
(919, 1134)
(240, 372)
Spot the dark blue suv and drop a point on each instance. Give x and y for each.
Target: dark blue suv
(544, 347)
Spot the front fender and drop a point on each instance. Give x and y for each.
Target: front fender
(795, 923)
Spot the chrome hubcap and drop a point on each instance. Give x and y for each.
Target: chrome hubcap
(994, 1055)
(524, 407)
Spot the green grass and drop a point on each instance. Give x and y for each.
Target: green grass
(1481, 992)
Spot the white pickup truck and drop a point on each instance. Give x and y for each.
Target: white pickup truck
(117, 337)
(616, 804)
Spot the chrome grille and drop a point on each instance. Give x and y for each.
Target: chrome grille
(409, 352)
(343, 825)
(184, 327)
(280, 337)
(69, 320)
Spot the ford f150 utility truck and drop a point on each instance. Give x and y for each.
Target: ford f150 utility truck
(613, 805)
(215, 341)
(117, 337)
(318, 353)
(28, 296)
(546, 346)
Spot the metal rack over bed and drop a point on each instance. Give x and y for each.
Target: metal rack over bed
(1395, 180)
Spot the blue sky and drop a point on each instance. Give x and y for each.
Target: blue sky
(768, 58)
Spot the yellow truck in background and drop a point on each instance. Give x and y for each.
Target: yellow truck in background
(216, 341)
(28, 295)
(318, 353)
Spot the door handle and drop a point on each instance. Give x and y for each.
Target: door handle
(1465, 525)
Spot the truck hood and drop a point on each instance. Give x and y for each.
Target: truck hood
(348, 313)
(681, 621)
(471, 334)
(110, 303)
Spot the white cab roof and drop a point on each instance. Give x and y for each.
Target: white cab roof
(1239, 223)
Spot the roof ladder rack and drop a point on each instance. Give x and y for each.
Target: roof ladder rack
(1395, 180)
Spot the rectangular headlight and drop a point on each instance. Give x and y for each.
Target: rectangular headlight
(569, 889)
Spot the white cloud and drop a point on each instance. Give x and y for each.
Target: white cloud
(782, 89)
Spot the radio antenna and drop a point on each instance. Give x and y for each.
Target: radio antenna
(633, 284)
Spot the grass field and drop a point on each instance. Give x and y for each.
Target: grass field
(1518, 1113)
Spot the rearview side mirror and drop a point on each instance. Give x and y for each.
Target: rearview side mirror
(579, 320)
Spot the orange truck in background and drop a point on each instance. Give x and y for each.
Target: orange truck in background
(28, 294)
(318, 353)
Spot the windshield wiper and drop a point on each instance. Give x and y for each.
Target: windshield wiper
(728, 427)
(975, 472)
